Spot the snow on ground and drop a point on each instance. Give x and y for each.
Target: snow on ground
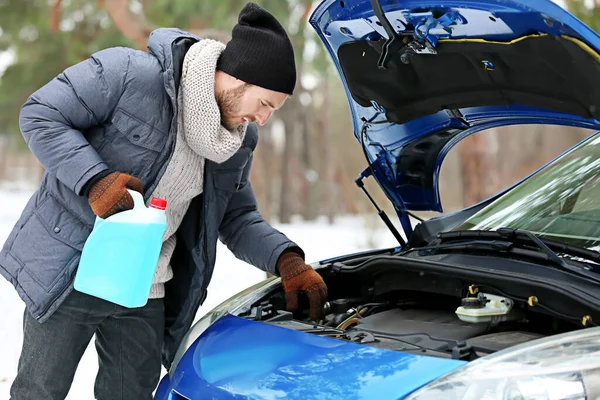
(318, 239)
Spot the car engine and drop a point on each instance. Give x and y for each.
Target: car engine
(399, 327)
(418, 314)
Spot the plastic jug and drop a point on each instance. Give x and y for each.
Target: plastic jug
(119, 258)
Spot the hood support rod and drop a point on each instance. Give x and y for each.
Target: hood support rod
(386, 220)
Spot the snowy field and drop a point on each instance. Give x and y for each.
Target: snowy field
(318, 239)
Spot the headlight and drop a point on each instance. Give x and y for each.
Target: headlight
(560, 367)
(233, 305)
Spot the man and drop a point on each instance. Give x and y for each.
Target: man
(172, 123)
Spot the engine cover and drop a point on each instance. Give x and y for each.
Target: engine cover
(442, 327)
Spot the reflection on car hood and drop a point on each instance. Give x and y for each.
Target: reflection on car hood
(470, 65)
(239, 358)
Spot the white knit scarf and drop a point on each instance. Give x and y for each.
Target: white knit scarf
(200, 114)
(200, 136)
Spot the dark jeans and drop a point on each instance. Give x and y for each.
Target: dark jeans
(128, 342)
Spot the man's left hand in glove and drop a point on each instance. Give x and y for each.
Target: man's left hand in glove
(296, 277)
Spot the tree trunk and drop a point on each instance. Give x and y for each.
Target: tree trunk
(478, 163)
(3, 157)
(311, 176)
(268, 176)
(55, 16)
(329, 155)
(347, 189)
(261, 176)
(287, 187)
(292, 118)
(132, 26)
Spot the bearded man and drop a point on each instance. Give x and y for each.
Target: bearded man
(177, 122)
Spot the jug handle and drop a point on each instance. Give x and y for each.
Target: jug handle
(138, 202)
(138, 199)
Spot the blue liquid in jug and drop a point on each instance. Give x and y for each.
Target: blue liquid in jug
(119, 261)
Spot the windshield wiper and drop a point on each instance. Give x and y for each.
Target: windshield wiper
(521, 235)
(552, 255)
(508, 240)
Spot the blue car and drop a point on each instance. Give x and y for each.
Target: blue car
(497, 301)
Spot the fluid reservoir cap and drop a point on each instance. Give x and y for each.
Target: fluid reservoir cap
(473, 302)
(340, 306)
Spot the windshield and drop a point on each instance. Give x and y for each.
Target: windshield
(561, 202)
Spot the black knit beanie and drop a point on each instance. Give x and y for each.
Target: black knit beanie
(260, 52)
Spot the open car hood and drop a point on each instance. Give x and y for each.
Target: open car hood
(422, 75)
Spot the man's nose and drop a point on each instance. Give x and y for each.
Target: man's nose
(263, 117)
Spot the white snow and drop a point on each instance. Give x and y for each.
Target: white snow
(318, 239)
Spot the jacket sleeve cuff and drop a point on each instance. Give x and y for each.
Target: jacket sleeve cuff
(85, 191)
(291, 247)
(90, 176)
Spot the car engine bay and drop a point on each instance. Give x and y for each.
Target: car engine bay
(405, 325)
(382, 311)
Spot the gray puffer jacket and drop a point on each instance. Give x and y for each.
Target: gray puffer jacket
(117, 110)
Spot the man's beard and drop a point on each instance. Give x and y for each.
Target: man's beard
(229, 106)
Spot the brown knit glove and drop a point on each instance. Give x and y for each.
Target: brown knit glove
(109, 195)
(297, 276)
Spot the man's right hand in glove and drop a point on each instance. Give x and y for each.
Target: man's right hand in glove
(109, 194)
